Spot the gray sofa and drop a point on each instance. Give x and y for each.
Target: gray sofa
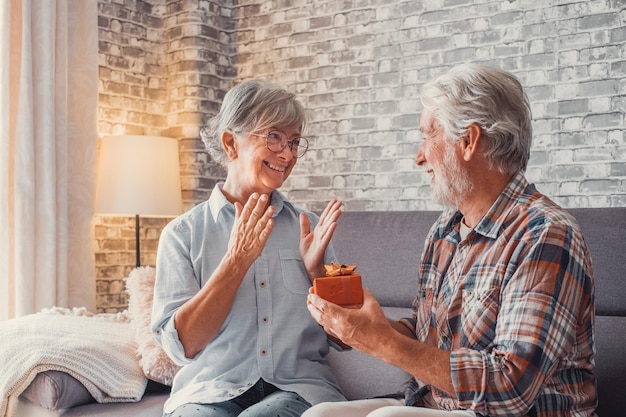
(386, 247)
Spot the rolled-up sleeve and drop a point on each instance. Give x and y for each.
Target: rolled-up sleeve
(175, 284)
(167, 336)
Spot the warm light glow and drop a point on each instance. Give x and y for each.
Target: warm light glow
(138, 175)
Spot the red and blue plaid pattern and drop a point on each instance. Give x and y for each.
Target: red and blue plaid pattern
(514, 304)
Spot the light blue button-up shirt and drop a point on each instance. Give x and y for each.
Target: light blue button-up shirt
(268, 332)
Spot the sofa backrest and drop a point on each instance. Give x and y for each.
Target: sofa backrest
(386, 247)
(604, 230)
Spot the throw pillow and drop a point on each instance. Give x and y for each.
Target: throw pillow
(57, 390)
(155, 363)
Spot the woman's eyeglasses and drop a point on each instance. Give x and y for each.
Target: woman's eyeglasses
(276, 141)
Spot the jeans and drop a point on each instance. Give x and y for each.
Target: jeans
(262, 400)
(379, 407)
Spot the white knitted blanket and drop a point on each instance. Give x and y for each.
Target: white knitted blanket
(96, 349)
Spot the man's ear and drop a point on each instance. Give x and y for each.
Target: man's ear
(229, 143)
(471, 141)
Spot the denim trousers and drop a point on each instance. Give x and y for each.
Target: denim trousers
(262, 400)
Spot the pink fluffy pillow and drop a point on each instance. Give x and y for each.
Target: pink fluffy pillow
(155, 363)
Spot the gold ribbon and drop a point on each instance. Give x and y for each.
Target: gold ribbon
(334, 269)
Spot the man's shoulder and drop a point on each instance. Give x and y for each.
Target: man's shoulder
(541, 218)
(541, 209)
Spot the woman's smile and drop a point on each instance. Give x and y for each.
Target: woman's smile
(274, 167)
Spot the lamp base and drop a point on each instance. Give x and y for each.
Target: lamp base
(137, 248)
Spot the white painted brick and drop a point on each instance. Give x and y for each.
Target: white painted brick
(566, 90)
(406, 165)
(600, 105)
(573, 123)
(433, 4)
(344, 126)
(384, 123)
(563, 156)
(568, 187)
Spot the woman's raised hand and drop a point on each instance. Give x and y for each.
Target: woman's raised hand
(252, 227)
(313, 243)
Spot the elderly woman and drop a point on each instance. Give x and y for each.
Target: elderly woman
(233, 273)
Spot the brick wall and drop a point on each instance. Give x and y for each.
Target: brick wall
(358, 66)
(164, 68)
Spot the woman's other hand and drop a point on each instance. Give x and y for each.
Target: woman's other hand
(313, 244)
(252, 227)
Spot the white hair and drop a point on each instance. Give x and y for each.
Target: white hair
(493, 99)
(252, 106)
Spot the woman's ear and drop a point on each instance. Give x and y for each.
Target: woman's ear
(229, 143)
(471, 141)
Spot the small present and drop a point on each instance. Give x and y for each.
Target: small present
(341, 285)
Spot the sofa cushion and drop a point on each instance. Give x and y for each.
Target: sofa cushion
(56, 390)
(151, 405)
(155, 363)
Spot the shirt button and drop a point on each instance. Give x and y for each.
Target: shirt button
(263, 352)
(265, 319)
(262, 284)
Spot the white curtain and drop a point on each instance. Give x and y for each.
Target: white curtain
(48, 150)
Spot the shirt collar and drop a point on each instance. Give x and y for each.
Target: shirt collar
(492, 222)
(218, 202)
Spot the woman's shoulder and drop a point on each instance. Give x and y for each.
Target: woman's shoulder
(190, 218)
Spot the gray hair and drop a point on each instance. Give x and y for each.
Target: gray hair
(493, 99)
(252, 106)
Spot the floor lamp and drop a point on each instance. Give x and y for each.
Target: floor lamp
(138, 175)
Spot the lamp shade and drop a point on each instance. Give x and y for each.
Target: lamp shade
(138, 175)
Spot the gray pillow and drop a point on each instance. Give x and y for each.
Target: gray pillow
(56, 390)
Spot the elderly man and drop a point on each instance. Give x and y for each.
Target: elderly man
(503, 320)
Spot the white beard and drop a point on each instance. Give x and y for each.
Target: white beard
(451, 185)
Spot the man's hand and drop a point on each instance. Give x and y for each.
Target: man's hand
(363, 328)
(369, 331)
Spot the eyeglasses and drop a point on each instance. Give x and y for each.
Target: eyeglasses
(276, 141)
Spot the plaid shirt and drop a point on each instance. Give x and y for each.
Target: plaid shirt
(514, 305)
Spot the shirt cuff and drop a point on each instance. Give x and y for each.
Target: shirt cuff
(167, 335)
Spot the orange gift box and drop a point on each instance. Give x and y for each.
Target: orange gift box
(344, 290)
